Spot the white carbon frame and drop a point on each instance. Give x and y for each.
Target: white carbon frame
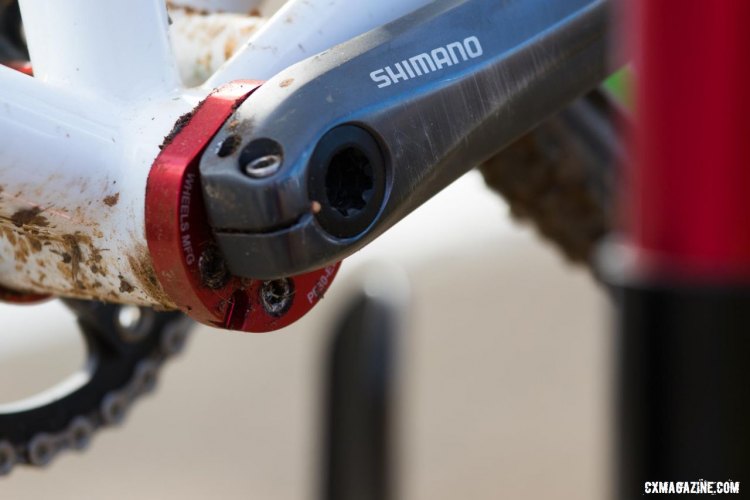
(79, 138)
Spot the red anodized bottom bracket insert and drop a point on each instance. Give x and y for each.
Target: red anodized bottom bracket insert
(180, 239)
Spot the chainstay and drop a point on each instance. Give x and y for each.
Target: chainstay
(123, 365)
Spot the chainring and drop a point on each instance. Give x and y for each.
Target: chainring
(126, 348)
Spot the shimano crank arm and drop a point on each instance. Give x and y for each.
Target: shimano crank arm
(333, 151)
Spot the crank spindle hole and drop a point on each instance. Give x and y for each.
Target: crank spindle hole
(347, 181)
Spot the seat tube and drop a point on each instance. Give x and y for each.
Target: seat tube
(683, 398)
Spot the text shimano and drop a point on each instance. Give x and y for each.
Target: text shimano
(428, 62)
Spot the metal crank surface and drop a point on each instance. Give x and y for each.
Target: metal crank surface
(186, 258)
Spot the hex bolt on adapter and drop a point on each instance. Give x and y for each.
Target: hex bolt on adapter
(347, 181)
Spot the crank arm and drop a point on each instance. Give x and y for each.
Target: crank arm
(332, 152)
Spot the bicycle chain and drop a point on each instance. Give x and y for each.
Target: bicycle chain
(123, 365)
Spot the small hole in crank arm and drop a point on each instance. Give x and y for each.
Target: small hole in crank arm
(229, 145)
(261, 158)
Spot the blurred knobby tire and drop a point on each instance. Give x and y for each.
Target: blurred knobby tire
(559, 177)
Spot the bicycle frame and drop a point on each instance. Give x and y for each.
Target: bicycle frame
(81, 137)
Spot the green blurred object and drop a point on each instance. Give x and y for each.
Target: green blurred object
(621, 86)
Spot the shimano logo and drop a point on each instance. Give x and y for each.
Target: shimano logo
(428, 62)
